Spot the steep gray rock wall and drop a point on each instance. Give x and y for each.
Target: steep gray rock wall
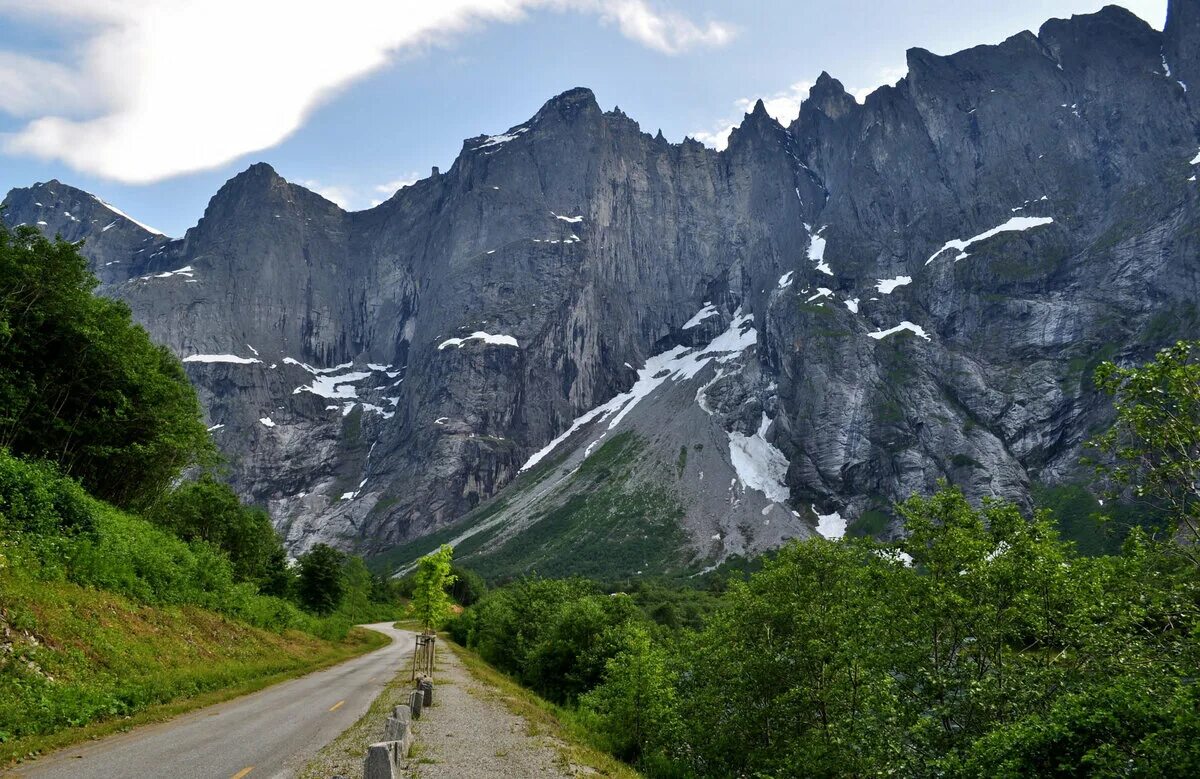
(1019, 210)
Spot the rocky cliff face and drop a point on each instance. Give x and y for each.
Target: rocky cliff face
(656, 355)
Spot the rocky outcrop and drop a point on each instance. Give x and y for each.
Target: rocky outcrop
(929, 277)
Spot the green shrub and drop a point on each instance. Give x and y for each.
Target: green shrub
(82, 385)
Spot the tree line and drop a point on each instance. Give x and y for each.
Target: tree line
(981, 644)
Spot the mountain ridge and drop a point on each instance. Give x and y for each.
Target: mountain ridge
(1053, 162)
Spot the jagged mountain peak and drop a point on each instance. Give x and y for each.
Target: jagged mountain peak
(117, 244)
(575, 103)
(829, 97)
(259, 192)
(1111, 25)
(757, 125)
(258, 176)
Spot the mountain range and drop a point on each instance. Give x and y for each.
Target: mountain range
(584, 348)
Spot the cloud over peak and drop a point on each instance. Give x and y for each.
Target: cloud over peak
(157, 88)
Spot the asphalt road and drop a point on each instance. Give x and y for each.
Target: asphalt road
(270, 733)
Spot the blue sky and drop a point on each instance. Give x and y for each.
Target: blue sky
(153, 104)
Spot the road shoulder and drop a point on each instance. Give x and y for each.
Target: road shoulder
(483, 724)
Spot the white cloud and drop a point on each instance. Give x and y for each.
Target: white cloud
(886, 76)
(667, 32)
(56, 87)
(783, 106)
(389, 188)
(344, 196)
(174, 86)
(717, 139)
(352, 198)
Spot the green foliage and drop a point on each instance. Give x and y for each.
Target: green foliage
(871, 523)
(322, 579)
(81, 385)
(467, 587)
(431, 603)
(209, 510)
(635, 703)
(74, 655)
(52, 531)
(982, 645)
(34, 498)
(554, 635)
(1094, 527)
(1154, 444)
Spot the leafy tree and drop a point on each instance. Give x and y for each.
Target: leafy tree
(575, 643)
(322, 581)
(975, 627)
(209, 510)
(636, 703)
(468, 587)
(358, 584)
(81, 385)
(430, 602)
(1155, 441)
(510, 622)
(385, 589)
(800, 653)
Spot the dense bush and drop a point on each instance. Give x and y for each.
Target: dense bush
(51, 529)
(467, 587)
(554, 635)
(83, 386)
(208, 510)
(34, 498)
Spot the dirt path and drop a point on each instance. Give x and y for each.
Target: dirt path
(471, 734)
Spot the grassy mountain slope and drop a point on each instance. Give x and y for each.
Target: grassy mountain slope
(72, 656)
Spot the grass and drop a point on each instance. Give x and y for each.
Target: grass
(80, 664)
(606, 527)
(573, 741)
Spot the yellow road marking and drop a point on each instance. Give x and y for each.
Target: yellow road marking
(243, 772)
(334, 707)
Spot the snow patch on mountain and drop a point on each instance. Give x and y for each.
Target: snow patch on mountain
(124, 215)
(887, 286)
(879, 335)
(816, 252)
(759, 465)
(1016, 224)
(675, 364)
(831, 526)
(479, 335)
(700, 316)
(225, 358)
